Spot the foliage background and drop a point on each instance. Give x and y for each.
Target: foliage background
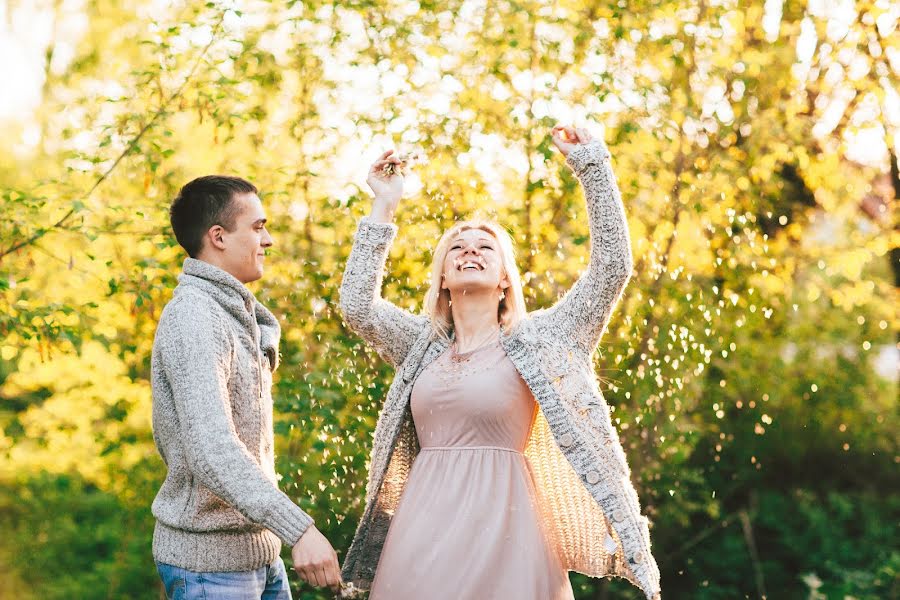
(751, 366)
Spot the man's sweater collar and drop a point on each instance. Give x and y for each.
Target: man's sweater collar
(234, 297)
(223, 286)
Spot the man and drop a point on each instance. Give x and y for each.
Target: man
(220, 517)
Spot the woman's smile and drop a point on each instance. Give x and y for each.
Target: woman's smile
(470, 263)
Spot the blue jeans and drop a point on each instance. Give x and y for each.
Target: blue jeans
(265, 583)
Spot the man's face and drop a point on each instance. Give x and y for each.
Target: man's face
(245, 245)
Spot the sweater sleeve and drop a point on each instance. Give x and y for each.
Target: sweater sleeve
(196, 360)
(388, 328)
(582, 314)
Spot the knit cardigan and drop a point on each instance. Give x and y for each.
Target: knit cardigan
(585, 494)
(219, 508)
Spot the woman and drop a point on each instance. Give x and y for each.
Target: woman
(495, 468)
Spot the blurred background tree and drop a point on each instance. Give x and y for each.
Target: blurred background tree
(752, 365)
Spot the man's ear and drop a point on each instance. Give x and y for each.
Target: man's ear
(215, 237)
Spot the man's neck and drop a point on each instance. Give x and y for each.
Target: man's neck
(218, 262)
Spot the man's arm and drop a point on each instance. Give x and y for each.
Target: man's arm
(196, 358)
(196, 352)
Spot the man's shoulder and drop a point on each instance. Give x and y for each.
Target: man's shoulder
(188, 310)
(188, 302)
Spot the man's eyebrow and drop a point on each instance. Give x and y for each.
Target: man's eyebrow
(262, 221)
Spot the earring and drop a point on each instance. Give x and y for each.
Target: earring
(502, 295)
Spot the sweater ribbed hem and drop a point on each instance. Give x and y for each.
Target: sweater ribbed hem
(584, 155)
(374, 232)
(289, 522)
(215, 551)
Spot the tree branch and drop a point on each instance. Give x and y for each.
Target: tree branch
(128, 149)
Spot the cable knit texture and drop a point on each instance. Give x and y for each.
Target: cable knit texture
(581, 473)
(219, 508)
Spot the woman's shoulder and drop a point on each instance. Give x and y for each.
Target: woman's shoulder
(538, 324)
(540, 330)
(532, 331)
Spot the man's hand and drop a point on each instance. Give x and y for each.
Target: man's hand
(315, 560)
(566, 138)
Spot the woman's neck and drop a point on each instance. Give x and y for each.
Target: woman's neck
(474, 318)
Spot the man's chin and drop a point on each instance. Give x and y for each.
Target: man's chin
(252, 276)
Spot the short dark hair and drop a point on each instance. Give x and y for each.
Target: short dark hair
(202, 203)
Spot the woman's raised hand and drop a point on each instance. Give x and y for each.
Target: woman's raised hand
(566, 137)
(386, 184)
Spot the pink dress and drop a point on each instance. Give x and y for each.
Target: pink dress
(467, 527)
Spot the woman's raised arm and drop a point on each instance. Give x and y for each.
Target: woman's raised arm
(582, 314)
(388, 328)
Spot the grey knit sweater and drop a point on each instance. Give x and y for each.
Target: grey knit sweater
(219, 508)
(582, 477)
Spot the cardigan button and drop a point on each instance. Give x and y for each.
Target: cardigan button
(593, 477)
(618, 515)
(638, 557)
(566, 440)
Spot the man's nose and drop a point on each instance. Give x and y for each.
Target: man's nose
(266, 240)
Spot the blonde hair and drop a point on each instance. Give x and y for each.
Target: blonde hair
(437, 299)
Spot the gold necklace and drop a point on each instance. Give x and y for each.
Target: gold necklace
(456, 357)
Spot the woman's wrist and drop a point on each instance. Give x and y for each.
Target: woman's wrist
(381, 213)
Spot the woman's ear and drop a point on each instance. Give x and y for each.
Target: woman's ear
(443, 282)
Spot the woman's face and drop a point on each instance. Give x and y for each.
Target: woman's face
(474, 263)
